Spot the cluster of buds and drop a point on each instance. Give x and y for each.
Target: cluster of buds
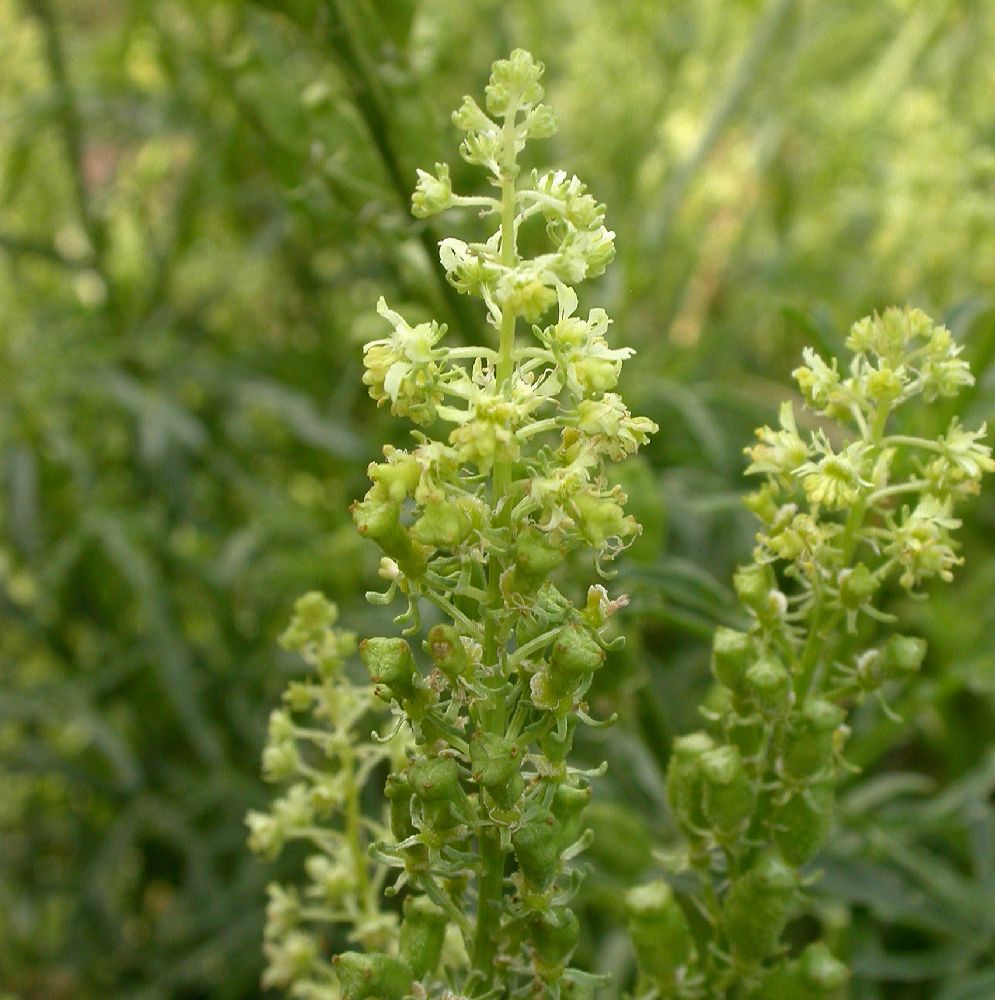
(844, 510)
(485, 812)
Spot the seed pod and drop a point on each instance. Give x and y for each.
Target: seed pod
(732, 654)
(496, 763)
(567, 807)
(752, 585)
(769, 684)
(381, 521)
(553, 935)
(436, 783)
(537, 850)
(391, 667)
(423, 931)
(601, 518)
(903, 655)
(398, 792)
(372, 976)
(659, 931)
(575, 656)
(808, 742)
(729, 795)
(685, 789)
(443, 525)
(755, 909)
(535, 558)
(446, 648)
(801, 824)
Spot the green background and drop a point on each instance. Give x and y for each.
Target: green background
(200, 203)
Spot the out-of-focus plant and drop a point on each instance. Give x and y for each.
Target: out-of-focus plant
(843, 510)
(486, 813)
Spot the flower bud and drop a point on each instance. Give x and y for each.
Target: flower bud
(903, 655)
(372, 976)
(755, 909)
(433, 193)
(423, 931)
(857, 586)
(514, 84)
(659, 931)
(391, 667)
(729, 795)
(808, 743)
(448, 653)
(801, 823)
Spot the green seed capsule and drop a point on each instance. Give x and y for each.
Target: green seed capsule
(399, 794)
(496, 763)
(729, 795)
(685, 783)
(443, 525)
(436, 783)
(752, 585)
(423, 931)
(575, 653)
(769, 684)
(659, 931)
(372, 976)
(537, 850)
(903, 655)
(553, 936)
(801, 824)
(568, 807)
(808, 743)
(381, 521)
(535, 558)
(448, 652)
(732, 654)
(391, 667)
(755, 909)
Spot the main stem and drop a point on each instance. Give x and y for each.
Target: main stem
(490, 884)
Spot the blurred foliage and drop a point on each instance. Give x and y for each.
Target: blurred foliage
(200, 201)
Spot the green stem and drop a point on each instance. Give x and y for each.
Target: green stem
(490, 885)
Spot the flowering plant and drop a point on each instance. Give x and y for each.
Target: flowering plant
(484, 809)
(843, 510)
(463, 886)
